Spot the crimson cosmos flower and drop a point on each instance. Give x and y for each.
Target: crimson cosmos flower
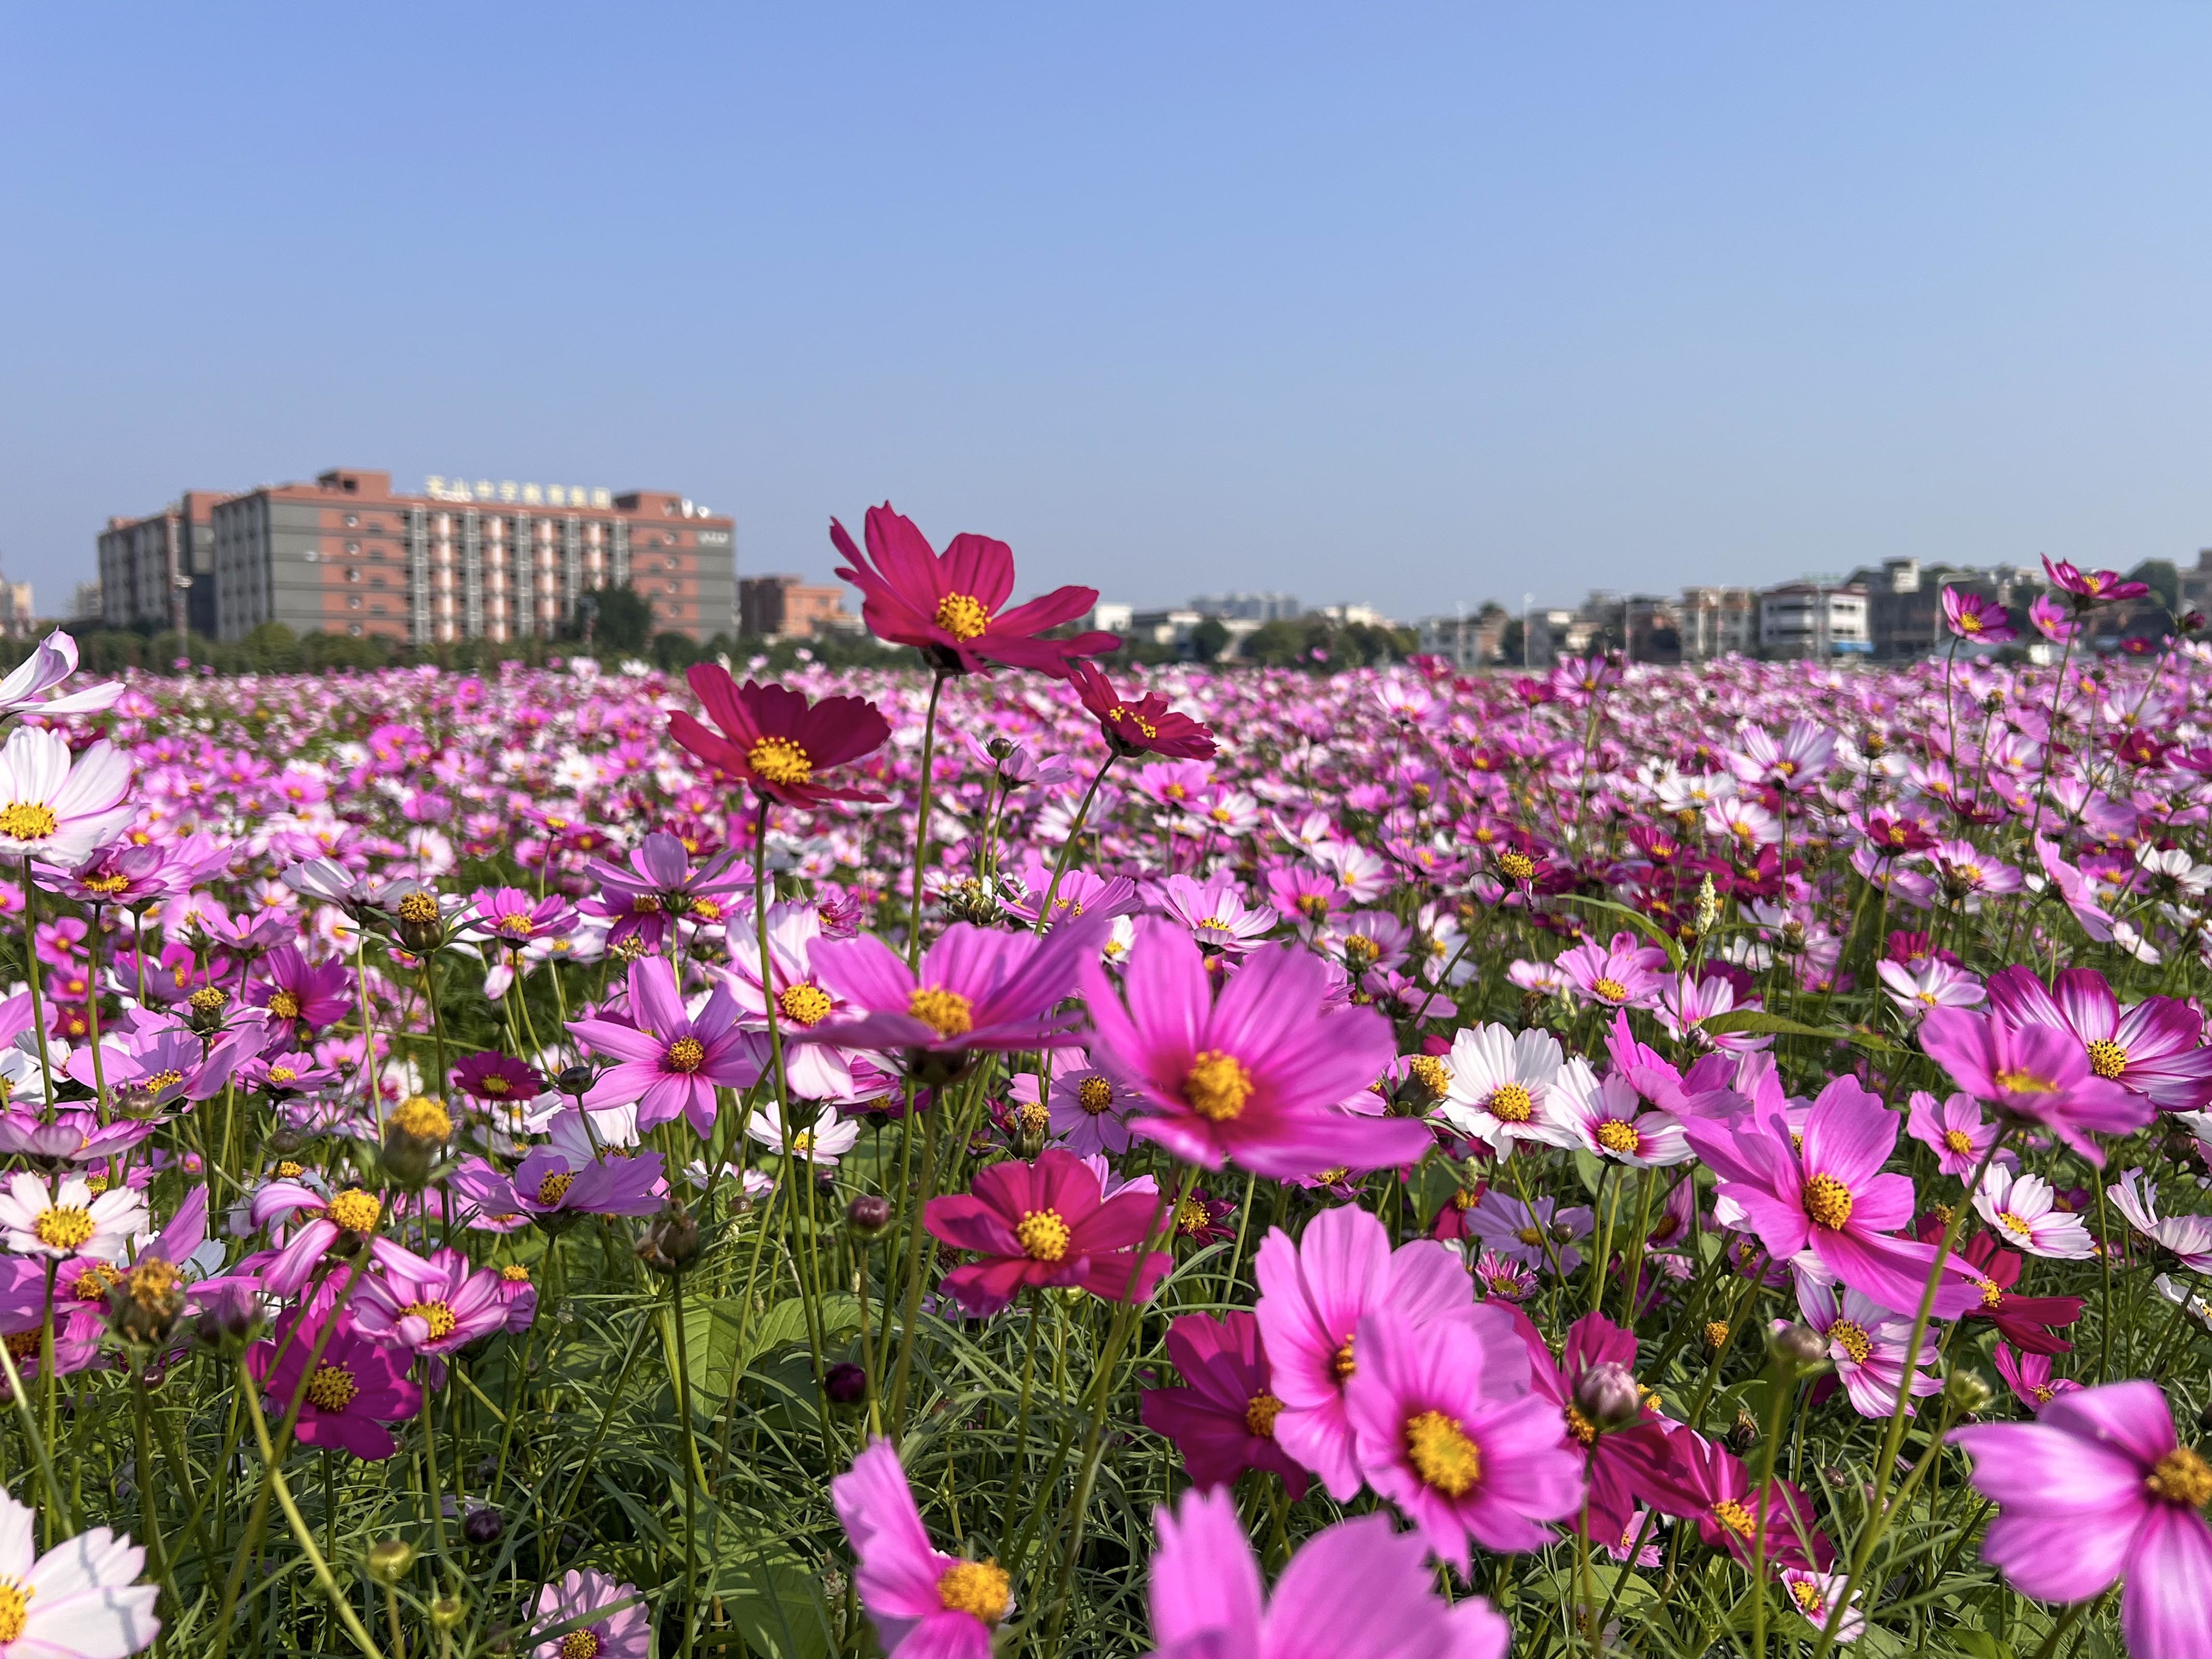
(949, 604)
(1140, 725)
(1046, 1224)
(771, 739)
(1223, 1419)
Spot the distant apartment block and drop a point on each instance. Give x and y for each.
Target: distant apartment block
(1465, 642)
(1250, 607)
(786, 607)
(1717, 622)
(1814, 619)
(348, 554)
(18, 617)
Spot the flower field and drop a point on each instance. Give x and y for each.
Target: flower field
(1005, 1157)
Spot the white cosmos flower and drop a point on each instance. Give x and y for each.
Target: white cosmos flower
(2189, 1237)
(55, 809)
(1499, 1084)
(2021, 1212)
(828, 1138)
(68, 1220)
(1610, 1119)
(81, 1599)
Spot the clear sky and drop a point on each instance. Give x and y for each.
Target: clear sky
(1411, 305)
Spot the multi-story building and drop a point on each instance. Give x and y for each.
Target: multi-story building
(1814, 619)
(348, 554)
(1250, 607)
(88, 604)
(2195, 585)
(785, 607)
(1904, 601)
(1465, 642)
(18, 619)
(1717, 622)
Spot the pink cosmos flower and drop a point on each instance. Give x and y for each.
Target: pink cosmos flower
(305, 998)
(1619, 974)
(1868, 1344)
(1046, 1224)
(2038, 1072)
(1445, 1425)
(1223, 1419)
(1610, 1120)
(1254, 1077)
(554, 1187)
(1976, 619)
(1814, 1594)
(1711, 1486)
(1933, 983)
(1216, 913)
(80, 1600)
(1794, 762)
(1953, 1131)
(2051, 620)
(2098, 1488)
(1361, 1588)
(2022, 1210)
(1502, 1279)
(2028, 1376)
(1621, 1461)
(978, 991)
(2153, 1047)
(770, 737)
(947, 1607)
(2092, 586)
(600, 1627)
(1541, 1237)
(434, 1307)
(357, 1387)
(668, 1063)
(1313, 1295)
(2188, 1237)
(1086, 1110)
(1828, 1195)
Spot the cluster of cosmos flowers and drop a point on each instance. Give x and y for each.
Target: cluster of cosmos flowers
(1210, 1162)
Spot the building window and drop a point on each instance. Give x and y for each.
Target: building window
(353, 572)
(353, 603)
(351, 520)
(353, 628)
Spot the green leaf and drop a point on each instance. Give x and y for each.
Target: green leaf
(776, 1605)
(1758, 1023)
(1658, 934)
(711, 1330)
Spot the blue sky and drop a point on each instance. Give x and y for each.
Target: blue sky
(1406, 305)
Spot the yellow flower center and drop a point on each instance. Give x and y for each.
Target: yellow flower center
(1607, 989)
(1430, 1072)
(1261, 1411)
(962, 616)
(1736, 1518)
(1957, 1141)
(1094, 1095)
(1970, 621)
(804, 1005)
(418, 907)
(517, 927)
(580, 1644)
(354, 1209)
(1828, 1201)
(1617, 1137)
(2107, 1059)
(1992, 1293)
(64, 1229)
(1042, 1235)
(2019, 1081)
(1853, 1340)
(1809, 1601)
(2182, 1477)
(1581, 1427)
(332, 1389)
(94, 1284)
(1510, 1103)
(978, 1587)
(1217, 1085)
(285, 1005)
(1144, 726)
(1530, 1236)
(423, 1118)
(1313, 906)
(160, 1080)
(686, 1053)
(493, 1084)
(436, 1314)
(1343, 1364)
(945, 1013)
(15, 1608)
(515, 1274)
(1193, 1217)
(779, 760)
(25, 820)
(1441, 1454)
(110, 885)
(555, 1187)
(1518, 866)
(1361, 952)
(1717, 1334)
(205, 1001)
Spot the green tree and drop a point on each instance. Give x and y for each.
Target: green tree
(618, 618)
(2164, 579)
(1207, 639)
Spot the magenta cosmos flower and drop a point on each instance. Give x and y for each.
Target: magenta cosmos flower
(2088, 588)
(553, 1188)
(1140, 725)
(435, 1307)
(306, 999)
(1620, 973)
(1223, 1419)
(947, 1606)
(2152, 1049)
(1976, 619)
(1954, 1131)
(2097, 1487)
(1356, 1591)
(1255, 1076)
(590, 1607)
(1046, 1224)
(2040, 1072)
(1446, 1427)
(1709, 1485)
(952, 605)
(357, 1387)
(978, 990)
(773, 740)
(1828, 1195)
(1313, 1295)
(1622, 1462)
(669, 1063)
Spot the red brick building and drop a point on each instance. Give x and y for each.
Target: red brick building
(786, 607)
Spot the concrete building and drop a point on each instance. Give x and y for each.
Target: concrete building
(1465, 642)
(786, 607)
(1651, 629)
(1814, 619)
(88, 605)
(348, 554)
(1717, 622)
(1552, 635)
(1904, 601)
(18, 617)
(1250, 607)
(2194, 586)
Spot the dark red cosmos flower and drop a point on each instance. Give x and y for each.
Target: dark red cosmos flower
(949, 604)
(498, 1078)
(1050, 1224)
(1225, 1419)
(2030, 1323)
(2140, 749)
(775, 742)
(1140, 725)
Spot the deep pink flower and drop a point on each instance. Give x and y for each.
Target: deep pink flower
(1140, 725)
(1623, 1461)
(1313, 1295)
(657, 885)
(2040, 1072)
(1046, 1224)
(946, 1605)
(1255, 1076)
(668, 1063)
(435, 1307)
(1829, 1195)
(2051, 620)
(1622, 974)
(771, 738)
(950, 605)
(498, 1078)
(593, 1604)
(2097, 1488)
(1709, 1485)
(1975, 619)
(2028, 1376)
(2153, 1047)
(554, 1189)
(306, 999)
(1356, 1591)
(2092, 586)
(357, 1387)
(1223, 1419)
(1953, 1131)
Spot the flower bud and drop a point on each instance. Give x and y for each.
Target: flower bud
(574, 1080)
(483, 1526)
(868, 1215)
(1607, 1394)
(846, 1384)
(1743, 1433)
(230, 1315)
(1798, 1346)
(389, 1561)
(285, 1140)
(1968, 1391)
(447, 1611)
(422, 925)
(204, 1009)
(670, 1242)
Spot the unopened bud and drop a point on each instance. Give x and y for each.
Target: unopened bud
(1967, 1391)
(483, 1526)
(389, 1561)
(230, 1315)
(204, 1008)
(447, 1611)
(868, 1215)
(1743, 1433)
(846, 1384)
(670, 1242)
(421, 924)
(1798, 1346)
(1607, 1395)
(574, 1080)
